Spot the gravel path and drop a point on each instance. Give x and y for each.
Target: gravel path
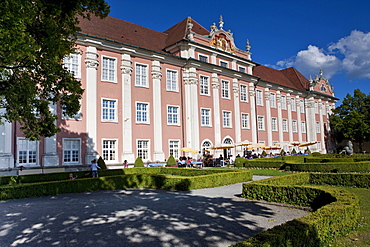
(139, 217)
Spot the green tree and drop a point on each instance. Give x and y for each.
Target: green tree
(35, 36)
(351, 120)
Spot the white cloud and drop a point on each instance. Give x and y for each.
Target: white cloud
(354, 50)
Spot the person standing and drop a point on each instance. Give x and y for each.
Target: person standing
(94, 168)
(125, 164)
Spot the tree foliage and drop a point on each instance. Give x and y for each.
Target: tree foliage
(351, 120)
(35, 36)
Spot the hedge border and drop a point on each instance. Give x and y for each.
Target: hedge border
(157, 178)
(337, 211)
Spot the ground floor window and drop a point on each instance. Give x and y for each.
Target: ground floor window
(174, 148)
(109, 150)
(27, 152)
(71, 151)
(143, 149)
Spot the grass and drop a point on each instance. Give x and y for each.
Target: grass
(360, 237)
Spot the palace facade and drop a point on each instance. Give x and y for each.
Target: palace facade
(150, 93)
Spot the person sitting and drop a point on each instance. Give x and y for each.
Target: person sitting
(188, 164)
(71, 177)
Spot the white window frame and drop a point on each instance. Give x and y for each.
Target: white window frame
(175, 116)
(225, 89)
(204, 85)
(204, 56)
(318, 127)
(301, 105)
(272, 100)
(316, 107)
(172, 80)
(245, 121)
(243, 93)
(303, 127)
(28, 144)
(227, 119)
(146, 111)
(285, 125)
(144, 150)
(260, 122)
(294, 126)
(242, 69)
(108, 77)
(111, 152)
(77, 116)
(292, 101)
(222, 62)
(274, 124)
(323, 110)
(259, 98)
(141, 79)
(71, 162)
(283, 102)
(174, 148)
(205, 119)
(71, 61)
(115, 119)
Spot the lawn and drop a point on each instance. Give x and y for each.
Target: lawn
(361, 236)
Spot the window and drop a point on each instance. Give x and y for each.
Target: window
(323, 111)
(245, 121)
(171, 80)
(226, 119)
(242, 69)
(204, 85)
(143, 149)
(109, 150)
(141, 75)
(301, 105)
(224, 64)
(272, 100)
(142, 113)
(206, 145)
(243, 93)
(316, 105)
(303, 127)
(294, 126)
(283, 102)
(225, 89)
(260, 123)
(108, 73)
(205, 117)
(203, 58)
(259, 97)
(285, 125)
(109, 109)
(71, 151)
(292, 101)
(27, 152)
(174, 148)
(318, 127)
(274, 124)
(172, 115)
(77, 116)
(72, 64)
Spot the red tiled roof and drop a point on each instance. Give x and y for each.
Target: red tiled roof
(288, 77)
(123, 31)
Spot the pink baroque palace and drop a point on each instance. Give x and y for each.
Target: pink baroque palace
(149, 94)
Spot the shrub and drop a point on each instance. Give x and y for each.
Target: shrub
(293, 151)
(101, 163)
(139, 162)
(239, 162)
(171, 161)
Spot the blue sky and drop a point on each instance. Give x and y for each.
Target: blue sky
(306, 34)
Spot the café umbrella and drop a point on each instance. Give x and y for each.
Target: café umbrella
(188, 150)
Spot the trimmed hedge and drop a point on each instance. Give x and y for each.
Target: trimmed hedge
(329, 167)
(130, 178)
(341, 179)
(336, 211)
(327, 160)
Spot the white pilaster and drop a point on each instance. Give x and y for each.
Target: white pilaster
(268, 117)
(50, 156)
(157, 112)
(280, 117)
(238, 135)
(253, 112)
(310, 119)
(299, 118)
(6, 142)
(92, 63)
(216, 108)
(322, 130)
(290, 128)
(126, 69)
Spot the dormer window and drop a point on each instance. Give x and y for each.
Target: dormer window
(223, 64)
(323, 88)
(203, 58)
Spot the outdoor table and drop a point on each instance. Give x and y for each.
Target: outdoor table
(197, 163)
(156, 165)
